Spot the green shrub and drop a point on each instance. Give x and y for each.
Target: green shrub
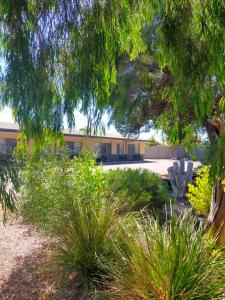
(86, 222)
(173, 261)
(137, 188)
(67, 198)
(199, 193)
(45, 182)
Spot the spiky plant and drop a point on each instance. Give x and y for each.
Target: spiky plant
(174, 261)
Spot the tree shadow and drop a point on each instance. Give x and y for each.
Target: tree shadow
(127, 162)
(27, 281)
(32, 280)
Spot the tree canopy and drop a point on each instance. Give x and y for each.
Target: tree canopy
(191, 43)
(61, 54)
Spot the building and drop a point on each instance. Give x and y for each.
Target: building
(107, 148)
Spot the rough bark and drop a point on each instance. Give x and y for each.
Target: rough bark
(216, 218)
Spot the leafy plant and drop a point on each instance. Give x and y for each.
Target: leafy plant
(44, 184)
(86, 221)
(137, 188)
(199, 194)
(174, 261)
(67, 198)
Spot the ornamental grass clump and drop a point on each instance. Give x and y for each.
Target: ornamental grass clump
(174, 261)
(86, 222)
(67, 198)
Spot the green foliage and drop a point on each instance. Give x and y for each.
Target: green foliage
(174, 261)
(9, 185)
(68, 199)
(200, 193)
(186, 38)
(136, 99)
(137, 188)
(60, 52)
(44, 179)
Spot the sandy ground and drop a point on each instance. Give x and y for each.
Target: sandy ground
(25, 272)
(159, 166)
(16, 242)
(22, 251)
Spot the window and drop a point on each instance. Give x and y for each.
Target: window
(73, 147)
(120, 149)
(77, 147)
(103, 151)
(136, 149)
(133, 149)
(100, 148)
(7, 145)
(69, 146)
(10, 145)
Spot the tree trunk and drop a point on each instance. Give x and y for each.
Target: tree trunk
(216, 218)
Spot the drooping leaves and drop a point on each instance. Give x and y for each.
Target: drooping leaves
(58, 53)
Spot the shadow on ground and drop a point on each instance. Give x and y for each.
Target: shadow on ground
(127, 162)
(31, 281)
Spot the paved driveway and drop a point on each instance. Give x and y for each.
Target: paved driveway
(159, 166)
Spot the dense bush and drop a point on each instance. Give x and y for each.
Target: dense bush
(199, 193)
(173, 261)
(45, 181)
(67, 198)
(137, 188)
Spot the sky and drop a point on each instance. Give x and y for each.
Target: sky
(80, 119)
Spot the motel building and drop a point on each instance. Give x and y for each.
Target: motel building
(107, 148)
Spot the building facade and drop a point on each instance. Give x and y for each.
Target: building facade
(106, 148)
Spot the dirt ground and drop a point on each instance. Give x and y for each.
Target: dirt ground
(24, 268)
(21, 251)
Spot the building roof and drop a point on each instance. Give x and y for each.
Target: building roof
(13, 127)
(9, 126)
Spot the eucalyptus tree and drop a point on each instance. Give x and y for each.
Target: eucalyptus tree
(60, 54)
(191, 43)
(136, 98)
